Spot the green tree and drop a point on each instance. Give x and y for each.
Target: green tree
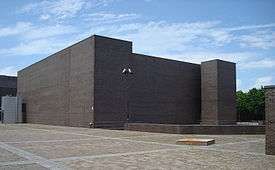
(250, 105)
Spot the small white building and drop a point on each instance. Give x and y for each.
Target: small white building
(11, 109)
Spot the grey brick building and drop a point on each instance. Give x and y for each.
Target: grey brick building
(218, 86)
(101, 81)
(270, 119)
(8, 85)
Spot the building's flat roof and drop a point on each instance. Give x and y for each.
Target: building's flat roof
(5, 76)
(111, 39)
(163, 59)
(218, 60)
(269, 87)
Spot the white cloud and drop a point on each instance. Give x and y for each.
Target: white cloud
(41, 46)
(9, 71)
(198, 57)
(176, 40)
(100, 3)
(107, 18)
(258, 39)
(45, 17)
(251, 27)
(263, 81)
(61, 9)
(29, 31)
(36, 39)
(161, 36)
(263, 63)
(48, 31)
(19, 28)
(220, 36)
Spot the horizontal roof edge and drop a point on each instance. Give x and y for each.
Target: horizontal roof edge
(111, 38)
(270, 87)
(161, 58)
(6, 76)
(218, 60)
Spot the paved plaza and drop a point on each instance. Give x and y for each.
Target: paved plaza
(32, 146)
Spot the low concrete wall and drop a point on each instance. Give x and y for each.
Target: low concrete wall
(196, 129)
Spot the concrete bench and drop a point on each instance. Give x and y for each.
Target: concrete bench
(195, 141)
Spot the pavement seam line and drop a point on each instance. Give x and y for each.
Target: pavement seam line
(233, 151)
(110, 155)
(16, 163)
(32, 157)
(45, 141)
(243, 142)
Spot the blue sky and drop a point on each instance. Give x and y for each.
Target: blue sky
(242, 31)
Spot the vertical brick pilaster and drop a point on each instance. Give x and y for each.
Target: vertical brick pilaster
(218, 88)
(270, 119)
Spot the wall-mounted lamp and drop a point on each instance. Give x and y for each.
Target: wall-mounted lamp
(127, 71)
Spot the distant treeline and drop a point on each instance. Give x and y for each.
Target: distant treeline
(251, 105)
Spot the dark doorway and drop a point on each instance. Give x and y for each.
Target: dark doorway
(24, 113)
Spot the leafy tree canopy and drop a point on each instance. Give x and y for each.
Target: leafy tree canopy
(250, 105)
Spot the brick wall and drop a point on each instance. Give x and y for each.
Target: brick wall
(8, 86)
(112, 56)
(270, 119)
(58, 90)
(159, 90)
(218, 88)
(164, 91)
